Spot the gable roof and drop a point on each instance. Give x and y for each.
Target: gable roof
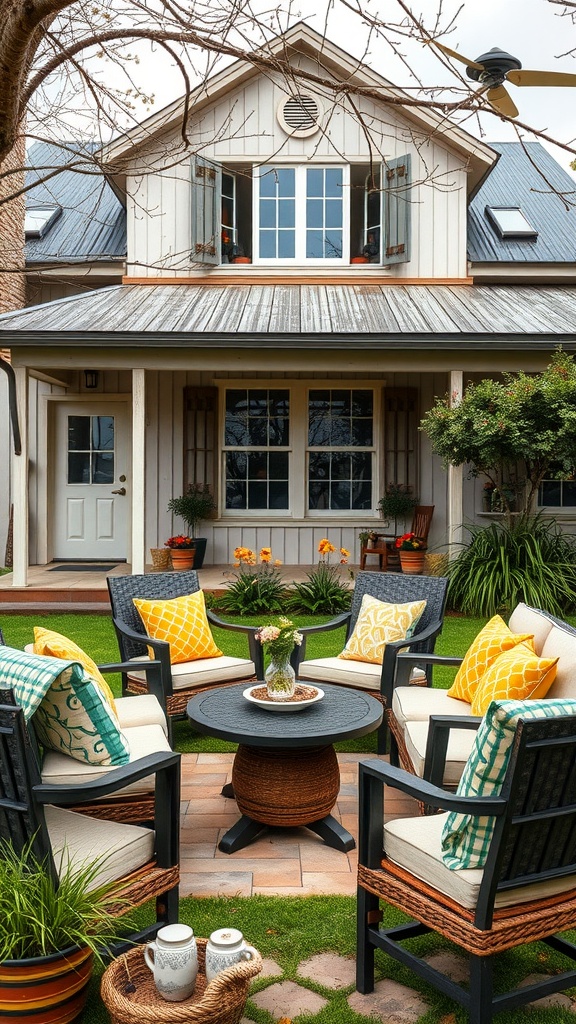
(332, 61)
(515, 181)
(92, 225)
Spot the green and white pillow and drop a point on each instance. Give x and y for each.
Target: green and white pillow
(70, 714)
(466, 838)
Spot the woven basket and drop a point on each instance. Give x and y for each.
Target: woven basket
(220, 1002)
(161, 558)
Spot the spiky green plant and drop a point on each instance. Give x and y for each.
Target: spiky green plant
(322, 593)
(254, 590)
(38, 918)
(528, 559)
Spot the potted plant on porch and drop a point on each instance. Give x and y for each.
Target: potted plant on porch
(398, 502)
(182, 551)
(196, 505)
(412, 550)
(50, 935)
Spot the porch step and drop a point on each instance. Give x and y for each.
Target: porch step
(36, 598)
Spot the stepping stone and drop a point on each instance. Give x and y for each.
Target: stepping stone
(453, 966)
(270, 969)
(287, 999)
(330, 970)
(390, 1002)
(555, 999)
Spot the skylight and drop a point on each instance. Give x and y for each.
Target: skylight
(38, 221)
(510, 222)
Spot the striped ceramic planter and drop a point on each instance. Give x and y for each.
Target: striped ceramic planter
(45, 989)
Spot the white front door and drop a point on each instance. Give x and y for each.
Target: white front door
(91, 487)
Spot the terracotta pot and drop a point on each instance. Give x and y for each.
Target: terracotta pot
(412, 562)
(241, 259)
(51, 989)
(182, 558)
(359, 259)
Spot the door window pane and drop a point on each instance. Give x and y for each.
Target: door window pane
(91, 450)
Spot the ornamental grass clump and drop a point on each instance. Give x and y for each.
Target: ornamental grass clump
(257, 586)
(323, 592)
(528, 559)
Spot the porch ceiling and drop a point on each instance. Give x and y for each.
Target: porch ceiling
(290, 315)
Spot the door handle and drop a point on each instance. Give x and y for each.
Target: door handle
(121, 490)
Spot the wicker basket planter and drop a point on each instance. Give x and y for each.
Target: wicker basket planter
(220, 1002)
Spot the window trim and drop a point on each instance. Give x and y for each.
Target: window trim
(300, 259)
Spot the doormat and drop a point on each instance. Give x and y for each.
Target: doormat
(81, 567)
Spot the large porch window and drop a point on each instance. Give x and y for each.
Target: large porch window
(256, 449)
(340, 449)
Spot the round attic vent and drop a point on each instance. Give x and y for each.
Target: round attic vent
(299, 115)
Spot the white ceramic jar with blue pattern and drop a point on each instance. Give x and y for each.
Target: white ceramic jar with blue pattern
(225, 948)
(173, 960)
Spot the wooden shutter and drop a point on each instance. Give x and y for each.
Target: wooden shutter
(401, 437)
(200, 456)
(397, 201)
(206, 187)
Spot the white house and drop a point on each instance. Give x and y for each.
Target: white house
(293, 382)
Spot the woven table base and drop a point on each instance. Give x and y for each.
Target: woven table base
(286, 787)
(130, 996)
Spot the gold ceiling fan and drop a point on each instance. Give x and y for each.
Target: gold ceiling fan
(494, 68)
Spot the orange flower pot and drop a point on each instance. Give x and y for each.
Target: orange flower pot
(182, 558)
(412, 562)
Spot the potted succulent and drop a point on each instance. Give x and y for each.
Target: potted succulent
(412, 551)
(196, 505)
(50, 935)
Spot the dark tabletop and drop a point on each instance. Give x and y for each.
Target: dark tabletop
(342, 714)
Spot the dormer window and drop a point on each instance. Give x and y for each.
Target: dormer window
(300, 214)
(38, 220)
(510, 222)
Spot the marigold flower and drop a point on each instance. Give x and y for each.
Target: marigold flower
(265, 554)
(344, 553)
(325, 547)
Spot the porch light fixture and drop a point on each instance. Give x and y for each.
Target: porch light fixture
(91, 379)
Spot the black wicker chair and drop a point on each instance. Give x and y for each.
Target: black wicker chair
(394, 588)
(30, 810)
(134, 642)
(534, 844)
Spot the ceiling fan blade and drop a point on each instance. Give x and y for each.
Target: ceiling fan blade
(502, 101)
(557, 78)
(456, 55)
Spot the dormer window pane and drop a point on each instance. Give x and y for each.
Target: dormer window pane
(510, 222)
(37, 221)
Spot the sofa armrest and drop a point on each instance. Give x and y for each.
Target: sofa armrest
(437, 743)
(299, 654)
(392, 653)
(153, 673)
(161, 650)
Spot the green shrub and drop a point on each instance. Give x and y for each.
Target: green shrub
(254, 589)
(529, 560)
(322, 593)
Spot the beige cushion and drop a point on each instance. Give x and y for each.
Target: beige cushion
(141, 709)
(76, 837)
(417, 703)
(459, 746)
(527, 620)
(415, 844)
(562, 645)
(362, 675)
(189, 674)
(59, 769)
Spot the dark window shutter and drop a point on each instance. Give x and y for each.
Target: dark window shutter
(397, 201)
(200, 437)
(401, 419)
(206, 200)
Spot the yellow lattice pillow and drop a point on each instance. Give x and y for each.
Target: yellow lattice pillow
(378, 624)
(491, 641)
(517, 674)
(183, 623)
(49, 643)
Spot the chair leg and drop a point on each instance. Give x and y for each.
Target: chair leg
(481, 989)
(382, 737)
(167, 906)
(366, 902)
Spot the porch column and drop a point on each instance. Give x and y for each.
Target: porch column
(455, 483)
(20, 480)
(138, 558)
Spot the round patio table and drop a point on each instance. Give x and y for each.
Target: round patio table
(285, 770)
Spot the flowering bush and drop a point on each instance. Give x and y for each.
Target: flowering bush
(258, 587)
(180, 541)
(410, 542)
(325, 549)
(279, 639)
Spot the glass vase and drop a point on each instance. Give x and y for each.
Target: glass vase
(280, 678)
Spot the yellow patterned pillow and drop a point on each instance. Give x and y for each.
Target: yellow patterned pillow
(491, 641)
(183, 623)
(517, 674)
(49, 643)
(378, 624)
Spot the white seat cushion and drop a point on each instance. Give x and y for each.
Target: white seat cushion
(562, 645)
(189, 674)
(360, 674)
(59, 769)
(415, 844)
(528, 620)
(141, 709)
(80, 839)
(459, 746)
(417, 703)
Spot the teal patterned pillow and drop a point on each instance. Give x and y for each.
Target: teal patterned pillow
(466, 838)
(70, 715)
